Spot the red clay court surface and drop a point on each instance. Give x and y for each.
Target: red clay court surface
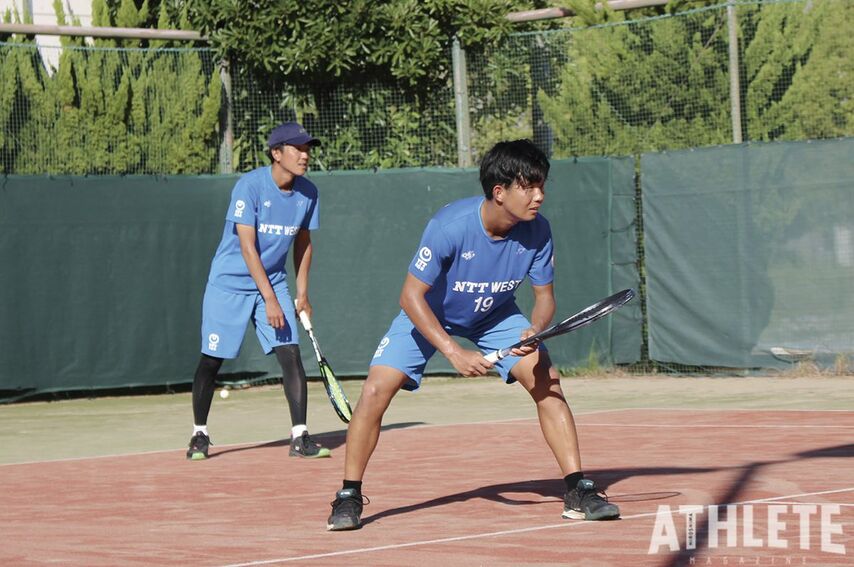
(467, 494)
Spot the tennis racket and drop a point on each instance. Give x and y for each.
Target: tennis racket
(580, 319)
(333, 387)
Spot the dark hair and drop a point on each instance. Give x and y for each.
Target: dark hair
(279, 147)
(506, 162)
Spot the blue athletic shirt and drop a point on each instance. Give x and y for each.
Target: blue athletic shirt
(277, 217)
(472, 275)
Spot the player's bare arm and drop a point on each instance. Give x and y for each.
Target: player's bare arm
(302, 266)
(246, 235)
(466, 362)
(541, 316)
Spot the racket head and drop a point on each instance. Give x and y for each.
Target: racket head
(583, 318)
(339, 400)
(590, 314)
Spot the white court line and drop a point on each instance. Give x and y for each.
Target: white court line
(281, 439)
(716, 426)
(840, 504)
(510, 532)
(803, 410)
(430, 425)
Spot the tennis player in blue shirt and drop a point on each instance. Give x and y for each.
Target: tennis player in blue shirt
(462, 281)
(272, 208)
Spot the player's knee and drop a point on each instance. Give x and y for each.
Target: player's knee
(288, 353)
(210, 364)
(290, 361)
(378, 393)
(375, 392)
(545, 386)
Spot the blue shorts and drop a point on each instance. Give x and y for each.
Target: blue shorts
(224, 318)
(405, 349)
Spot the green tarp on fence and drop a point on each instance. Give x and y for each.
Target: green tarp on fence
(102, 277)
(749, 253)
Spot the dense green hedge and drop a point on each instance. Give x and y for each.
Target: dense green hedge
(112, 109)
(376, 86)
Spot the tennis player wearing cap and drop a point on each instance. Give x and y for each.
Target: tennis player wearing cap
(272, 208)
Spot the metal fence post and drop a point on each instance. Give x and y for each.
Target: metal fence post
(734, 83)
(461, 103)
(541, 79)
(226, 148)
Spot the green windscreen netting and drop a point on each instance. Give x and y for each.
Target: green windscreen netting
(750, 253)
(102, 277)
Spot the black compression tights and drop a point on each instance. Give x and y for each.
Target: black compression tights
(204, 384)
(293, 382)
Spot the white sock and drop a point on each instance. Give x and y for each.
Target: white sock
(297, 431)
(202, 428)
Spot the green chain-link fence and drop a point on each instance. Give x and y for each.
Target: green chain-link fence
(375, 126)
(617, 89)
(108, 110)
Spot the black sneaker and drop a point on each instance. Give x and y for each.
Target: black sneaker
(346, 510)
(304, 446)
(199, 444)
(584, 503)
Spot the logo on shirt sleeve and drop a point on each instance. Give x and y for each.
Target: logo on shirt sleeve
(424, 257)
(239, 206)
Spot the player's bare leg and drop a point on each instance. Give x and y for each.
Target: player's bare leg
(382, 384)
(536, 374)
(582, 500)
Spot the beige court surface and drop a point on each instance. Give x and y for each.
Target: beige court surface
(102, 426)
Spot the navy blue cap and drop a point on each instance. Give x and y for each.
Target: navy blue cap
(290, 133)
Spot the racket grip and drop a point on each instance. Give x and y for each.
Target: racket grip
(303, 317)
(494, 357)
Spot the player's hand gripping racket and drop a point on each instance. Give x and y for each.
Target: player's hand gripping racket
(580, 319)
(333, 387)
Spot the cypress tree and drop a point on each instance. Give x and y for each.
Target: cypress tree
(799, 69)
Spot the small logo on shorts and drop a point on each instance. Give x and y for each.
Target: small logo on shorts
(213, 341)
(381, 347)
(468, 255)
(424, 256)
(238, 208)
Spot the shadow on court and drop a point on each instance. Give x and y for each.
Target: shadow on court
(844, 451)
(550, 490)
(735, 492)
(331, 440)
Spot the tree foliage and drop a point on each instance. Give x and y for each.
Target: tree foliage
(665, 84)
(373, 81)
(324, 42)
(113, 109)
(799, 65)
